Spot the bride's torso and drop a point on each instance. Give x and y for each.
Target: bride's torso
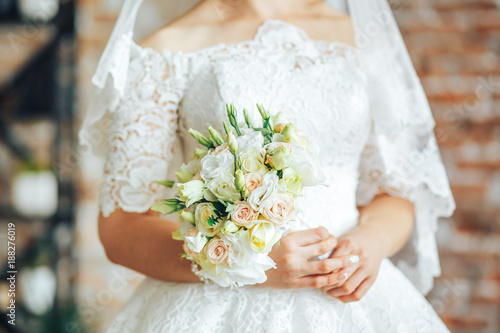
(318, 85)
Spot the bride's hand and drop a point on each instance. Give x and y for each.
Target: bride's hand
(353, 281)
(294, 270)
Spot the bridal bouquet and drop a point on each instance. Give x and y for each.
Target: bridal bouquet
(238, 195)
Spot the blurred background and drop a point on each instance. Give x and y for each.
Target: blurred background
(49, 50)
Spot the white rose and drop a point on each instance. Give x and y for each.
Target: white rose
(291, 181)
(252, 161)
(265, 191)
(223, 188)
(250, 140)
(213, 165)
(191, 191)
(204, 216)
(306, 164)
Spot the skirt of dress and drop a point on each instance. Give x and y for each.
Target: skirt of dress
(391, 305)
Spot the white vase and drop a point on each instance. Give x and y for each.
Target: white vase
(34, 193)
(39, 10)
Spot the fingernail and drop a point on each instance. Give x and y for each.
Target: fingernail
(342, 277)
(353, 259)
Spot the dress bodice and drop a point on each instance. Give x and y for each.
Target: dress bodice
(317, 85)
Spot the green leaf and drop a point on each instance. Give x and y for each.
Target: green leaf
(264, 131)
(166, 183)
(168, 206)
(219, 209)
(211, 221)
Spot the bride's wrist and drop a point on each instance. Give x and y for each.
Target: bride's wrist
(375, 244)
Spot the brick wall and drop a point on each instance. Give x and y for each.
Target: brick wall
(455, 46)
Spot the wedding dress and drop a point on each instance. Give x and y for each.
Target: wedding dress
(343, 100)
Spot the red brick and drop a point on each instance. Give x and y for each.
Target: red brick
(447, 5)
(470, 266)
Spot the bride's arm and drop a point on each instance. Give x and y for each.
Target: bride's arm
(383, 229)
(386, 223)
(143, 242)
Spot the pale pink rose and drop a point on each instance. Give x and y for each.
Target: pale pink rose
(243, 214)
(280, 209)
(252, 181)
(217, 251)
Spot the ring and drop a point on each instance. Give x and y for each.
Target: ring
(353, 259)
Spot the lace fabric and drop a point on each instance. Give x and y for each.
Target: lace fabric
(343, 99)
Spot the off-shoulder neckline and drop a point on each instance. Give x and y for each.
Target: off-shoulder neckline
(261, 31)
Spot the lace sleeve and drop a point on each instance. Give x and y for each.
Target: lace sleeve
(142, 138)
(401, 158)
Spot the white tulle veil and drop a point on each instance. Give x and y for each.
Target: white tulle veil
(376, 33)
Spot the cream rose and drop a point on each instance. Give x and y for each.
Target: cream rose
(243, 214)
(263, 236)
(203, 213)
(252, 181)
(217, 251)
(252, 161)
(223, 188)
(279, 210)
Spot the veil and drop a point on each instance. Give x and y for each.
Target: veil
(378, 39)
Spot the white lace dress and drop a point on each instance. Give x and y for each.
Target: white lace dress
(344, 101)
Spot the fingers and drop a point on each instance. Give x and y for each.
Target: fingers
(327, 266)
(359, 293)
(307, 237)
(345, 247)
(341, 277)
(319, 248)
(349, 286)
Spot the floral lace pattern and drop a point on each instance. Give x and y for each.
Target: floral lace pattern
(368, 144)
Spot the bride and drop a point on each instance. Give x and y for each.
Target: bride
(341, 72)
